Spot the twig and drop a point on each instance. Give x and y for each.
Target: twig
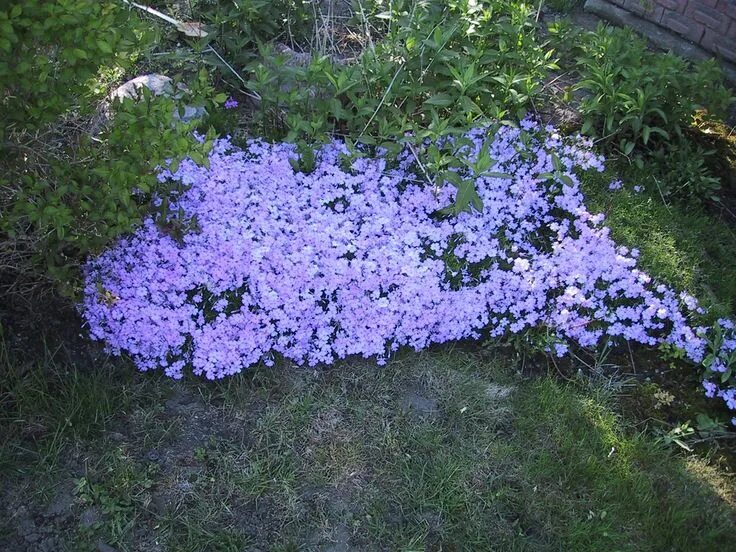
(194, 29)
(254, 95)
(157, 13)
(383, 99)
(435, 188)
(631, 355)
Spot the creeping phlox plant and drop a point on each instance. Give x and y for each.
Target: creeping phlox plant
(359, 257)
(719, 379)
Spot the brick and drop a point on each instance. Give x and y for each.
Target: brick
(683, 25)
(724, 47)
(645, 9)
(674, 5)
(710, 17)
(728, 7)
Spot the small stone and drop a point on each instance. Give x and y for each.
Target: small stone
(90, 517)
(103, 547)
(153, 455)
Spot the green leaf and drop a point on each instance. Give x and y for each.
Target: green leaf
(467, 197)
(104, 46)
(440, 100)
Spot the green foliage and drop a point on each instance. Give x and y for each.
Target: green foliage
(51, 50)
(238, 27)
(720, 362)
(68, 209)
(439, 68)
(640, 104)
(682, 172)
(457, 62)
(67, 191)
(640, 99)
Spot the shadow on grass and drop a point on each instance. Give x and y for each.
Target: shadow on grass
(446, 450)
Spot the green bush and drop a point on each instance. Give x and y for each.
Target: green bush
(439, 68)
(51, 51)
(67, 192)
(637, 100)
(641, 105)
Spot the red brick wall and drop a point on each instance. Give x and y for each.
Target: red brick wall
(710, 23)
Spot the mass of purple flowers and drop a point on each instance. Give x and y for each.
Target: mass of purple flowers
(357, 258)
(720, 363)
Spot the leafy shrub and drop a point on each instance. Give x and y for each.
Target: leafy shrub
(239, 27)
(640, 104)
(66, 191)
(641, 99)
(438, 69)
(51, 50)
(682, 172)
(358, 258)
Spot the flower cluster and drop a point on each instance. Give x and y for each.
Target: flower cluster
(720, 363)
(356, 258)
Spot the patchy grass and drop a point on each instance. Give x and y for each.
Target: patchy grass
(445, 450)
(686, 248)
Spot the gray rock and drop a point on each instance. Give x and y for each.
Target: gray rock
(419, 405)
(158, 85)
(90, 517)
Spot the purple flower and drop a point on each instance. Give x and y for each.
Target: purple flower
(718, 366)
(277, 268)
(231, 103)
(710, 389)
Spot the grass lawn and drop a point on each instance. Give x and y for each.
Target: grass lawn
(443, 450)
(455, 448)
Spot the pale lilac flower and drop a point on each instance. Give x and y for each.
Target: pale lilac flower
(354, 261)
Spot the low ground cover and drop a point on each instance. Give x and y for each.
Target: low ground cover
(451, 449)
(497, 444)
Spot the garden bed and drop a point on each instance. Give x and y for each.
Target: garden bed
(542, 370)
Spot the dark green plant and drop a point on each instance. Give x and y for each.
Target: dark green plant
(236, 29)
(640, 104)
(52, 49)
(638, 101)
(682, 172)
(67, 191)
(438, 69)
